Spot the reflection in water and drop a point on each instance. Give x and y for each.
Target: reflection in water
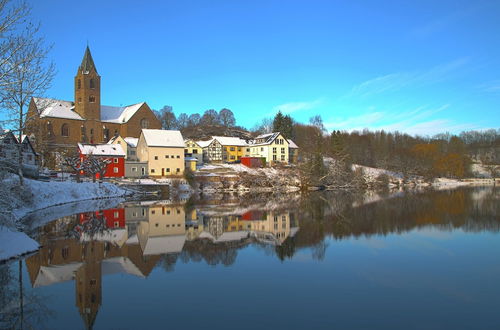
(137, 237)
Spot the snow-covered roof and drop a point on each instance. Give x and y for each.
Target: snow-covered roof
(292, 144)
(164, 244)
(231, 141)
(163, 138)
(66, 109)
(265, 139)
(204, 144)
(119, 115)
(119, 265)
(131, 141)
(101, 149)
(56, 108)
(48, 275)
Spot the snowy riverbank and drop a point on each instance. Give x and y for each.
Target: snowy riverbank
(19, 202)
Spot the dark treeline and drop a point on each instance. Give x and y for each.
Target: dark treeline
(201, 126)
(445, 155)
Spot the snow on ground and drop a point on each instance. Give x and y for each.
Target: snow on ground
(38, 196)
(14, 243)
(45, 194)
(372, 173)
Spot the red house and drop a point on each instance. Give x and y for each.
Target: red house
(113, 152)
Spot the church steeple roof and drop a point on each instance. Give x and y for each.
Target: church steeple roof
(87, 62)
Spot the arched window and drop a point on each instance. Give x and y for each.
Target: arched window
(79, 83)
(92, 83)
(91, 98)
(144, 123)
(65, 130)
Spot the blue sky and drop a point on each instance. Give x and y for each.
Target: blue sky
(420, 67)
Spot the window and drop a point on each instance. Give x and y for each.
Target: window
(186, 151)
(232, 148)
(132, 152)
(79, 100)
(168, 170)
(134, 169)
(152, 170)
(262, 149)
(282, 158)
(274, 150)
(232, 158)
(144, 123)
(156, 157)
(178, 170)
(282, 150)
(178, 156)
(65, 130)
(239, 149)
(92, 85)
(79, 84)
(117, 224)
(195, 151)
(248, 149)
(274, 157)
(91, 98)
(116, 132)
(115, 160)
(166, 156)
(105, 134)
(115, 170)
(116, 214)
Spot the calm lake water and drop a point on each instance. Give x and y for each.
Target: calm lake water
(427, 260)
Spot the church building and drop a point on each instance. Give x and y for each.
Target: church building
(62, 124)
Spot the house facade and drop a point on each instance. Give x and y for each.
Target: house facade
(212, 151)
(112, 152)
(194, 150)
(60, 125)
(272, 146)
(233, 148)
(9, 153)
(163, 150)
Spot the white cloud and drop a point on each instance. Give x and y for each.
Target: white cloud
(418, 121)
(290, 107)
(399, 80)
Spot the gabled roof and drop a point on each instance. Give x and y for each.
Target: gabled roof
(119, 115)
(163, 138)
(56, 108)
(101, 149)
(204, 144)
(292, 144)
(66, 109)
(87, 62)
(230, 141)
(267, 138)
(131, 141)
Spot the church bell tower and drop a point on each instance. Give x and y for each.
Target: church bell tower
(88, 97)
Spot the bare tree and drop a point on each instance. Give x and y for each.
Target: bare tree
(226, 117)
(24, 75)
(75, 163)
(94, 165)
(167, 117)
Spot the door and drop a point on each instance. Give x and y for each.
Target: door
(162, 172)
(143, 171)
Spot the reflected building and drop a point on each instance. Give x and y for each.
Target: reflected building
(164, 231)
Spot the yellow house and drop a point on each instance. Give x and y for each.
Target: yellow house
(233, 148)
(163, 150)
(194, 150)
(272, 146)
